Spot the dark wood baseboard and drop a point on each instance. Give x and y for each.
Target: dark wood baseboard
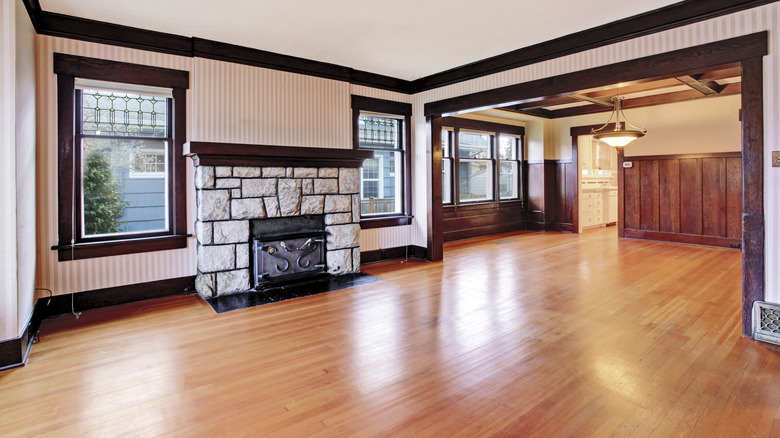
(399, 252)
(695, 239)
(11, 353)
(14, 352)
(114, 296)
(560, 226)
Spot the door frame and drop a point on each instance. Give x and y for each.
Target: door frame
(748, 50)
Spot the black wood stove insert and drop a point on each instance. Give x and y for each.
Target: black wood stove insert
(287, 249)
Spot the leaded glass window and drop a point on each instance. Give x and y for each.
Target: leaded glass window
(381, 187)
(123, 143)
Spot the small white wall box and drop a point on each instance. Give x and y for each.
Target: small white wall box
(627, 164)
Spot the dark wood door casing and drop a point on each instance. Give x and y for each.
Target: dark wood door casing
(748, 50)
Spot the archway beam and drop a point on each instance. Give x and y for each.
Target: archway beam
(664, 65)
(748, 50)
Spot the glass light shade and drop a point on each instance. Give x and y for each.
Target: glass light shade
(618, 139)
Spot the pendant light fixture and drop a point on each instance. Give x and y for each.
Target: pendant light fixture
(619, 136)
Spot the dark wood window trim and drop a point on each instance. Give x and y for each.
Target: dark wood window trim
(496, 129)
(68, 68)
(362, 103)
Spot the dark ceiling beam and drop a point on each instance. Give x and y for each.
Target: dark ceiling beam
(536, 112)
(669, 17)
(640, 102)
(703, 87)
(543, 102)
(661, 66)
(592, 100)
(612, 90)
(731, 71)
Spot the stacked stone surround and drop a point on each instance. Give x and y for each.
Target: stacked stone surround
(228, 197)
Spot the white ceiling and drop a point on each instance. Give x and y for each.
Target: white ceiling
(406, 39)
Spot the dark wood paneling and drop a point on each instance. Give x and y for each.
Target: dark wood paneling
(552, 206)
(572, 189)
(478, 232)
(690, 196)
(713, 200)
(659, 66)
(696, 239)
(631, 197)
(481, 220)
(672, 16)
(734, 198)
(683, 198)
(648, 195)
(669, 195)
(230, 154)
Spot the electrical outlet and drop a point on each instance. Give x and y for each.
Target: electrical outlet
(775, 158)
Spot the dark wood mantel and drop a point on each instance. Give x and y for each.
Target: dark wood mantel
(235, 154)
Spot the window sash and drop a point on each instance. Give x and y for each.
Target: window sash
(81, 234)
(470, 189)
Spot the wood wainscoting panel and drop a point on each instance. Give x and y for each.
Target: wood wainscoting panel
(466, 221)
(690, 196)
(734, 198)
(684, 198)
(631, 197)
(669, 195)
(648, 202)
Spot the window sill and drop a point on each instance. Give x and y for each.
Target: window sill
(90, 250)
(384, 222)
(477, 205)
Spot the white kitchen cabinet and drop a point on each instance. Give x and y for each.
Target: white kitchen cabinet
(611, 212)
(591, 208)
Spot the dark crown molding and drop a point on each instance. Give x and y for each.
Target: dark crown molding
(669, 17)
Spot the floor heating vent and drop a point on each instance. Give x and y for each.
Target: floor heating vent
(766, 322)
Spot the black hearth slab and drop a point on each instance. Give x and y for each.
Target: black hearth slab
(226, 303)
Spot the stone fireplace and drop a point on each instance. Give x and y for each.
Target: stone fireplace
(240, 186)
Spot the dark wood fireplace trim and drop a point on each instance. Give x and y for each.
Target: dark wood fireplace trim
(256, 155)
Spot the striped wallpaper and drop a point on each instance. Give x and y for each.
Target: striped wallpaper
(9, 318)
(80, 275)
(235, 103)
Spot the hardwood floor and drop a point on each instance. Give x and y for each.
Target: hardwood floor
(523, 335)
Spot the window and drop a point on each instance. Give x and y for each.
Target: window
(382, 127)
(481, 162)
(509, 152)
(446, 166)
(475, 166)
(121, 170)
